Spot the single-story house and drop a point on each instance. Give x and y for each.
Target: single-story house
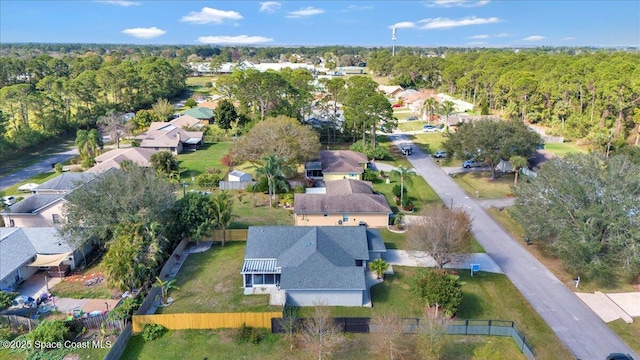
(459, 106)
(346, 202)
(237, 175)
(188, 122)
(311, 264)
(391, 91)
(169, 137)
(205, 115)
(336, 165)
(113, 158)
(23, 251)
(44, 207)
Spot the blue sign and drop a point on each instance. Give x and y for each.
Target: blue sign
(474, 269)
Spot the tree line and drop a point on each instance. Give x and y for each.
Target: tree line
(45, 97)
(591, 95)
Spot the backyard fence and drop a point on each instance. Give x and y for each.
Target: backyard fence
(230, 235)
(413, 326)
(205, 320)
(235, 185)
(95, 322)
(149, 300)
(173, 259)
(117, 348)
(552, 139)
(16, 321)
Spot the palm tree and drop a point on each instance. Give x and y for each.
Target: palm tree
(378, 266)
(430, 105)
(404, 174)
(88, 143)
(446, 108)
(517, 162)
(273, 169)
(222, 212)
(165, 286)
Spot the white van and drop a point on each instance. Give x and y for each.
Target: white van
(8, 200)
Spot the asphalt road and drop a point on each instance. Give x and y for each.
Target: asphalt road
(35, 169)
(577, 326)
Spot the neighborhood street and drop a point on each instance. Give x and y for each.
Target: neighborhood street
(35, 169)
(577, 326)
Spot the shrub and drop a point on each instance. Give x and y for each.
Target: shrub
(247, 334)
(299, 189)
(49, 331)
(227, 160)
(396, 190)
(378, 153)
(190, 103)
(59, 168)
(370, 175)
(6, 299)
(151, 332)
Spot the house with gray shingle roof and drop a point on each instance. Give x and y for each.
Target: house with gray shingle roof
(24, 251)
(44, 208)
(311, 264)
(344, 202)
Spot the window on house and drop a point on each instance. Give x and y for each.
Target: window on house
(358, 262)
(345, 217)
(56, 218)
(12, 223)
(326, 214)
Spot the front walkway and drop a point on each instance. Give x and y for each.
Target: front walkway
(610, 307)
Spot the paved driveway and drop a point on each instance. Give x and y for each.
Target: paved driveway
(577, 326)
(35, 169)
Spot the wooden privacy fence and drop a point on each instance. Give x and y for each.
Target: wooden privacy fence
(230, 235)
(235, 185)
(95, 322)
(205, 320)
(16, 321)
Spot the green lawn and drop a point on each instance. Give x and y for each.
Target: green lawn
(200, 80)
(211, 282)
(562, 149)
(73, 286)
(630, 333)
(481, 182)
(37, 179)
(207, 157)
(252, 209)
(419, 191)
(429, 142)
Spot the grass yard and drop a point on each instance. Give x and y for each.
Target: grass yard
(208, 156)
(200, 80)
(562, 149)
(211, 282)
(481, 182)
(261, 214)
(419, 191)
(428, 142)
(630, 333)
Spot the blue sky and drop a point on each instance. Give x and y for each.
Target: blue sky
(366, 23)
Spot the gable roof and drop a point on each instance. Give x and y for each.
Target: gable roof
(113, 159)
(67, 181)
(342, 161)
(342, 196)
(312, 257)
(199, 113)
(19, 246)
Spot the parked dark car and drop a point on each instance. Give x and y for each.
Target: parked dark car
(619, 356)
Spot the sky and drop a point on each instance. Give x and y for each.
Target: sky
(481, 23)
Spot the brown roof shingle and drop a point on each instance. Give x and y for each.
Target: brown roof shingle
(347, 195)
(342, 161)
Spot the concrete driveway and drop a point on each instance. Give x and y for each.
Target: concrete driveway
(422, 259)
(575, 324)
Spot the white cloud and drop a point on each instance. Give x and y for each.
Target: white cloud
(446, 23)
(210, 15)
(483, 36)
(308, 11)
(568, 38)
(125, 3)
(457, 3)
(403, 25)
(144, 33)
(270, 6)
(357, 8)
(533, 38)
(238, 40)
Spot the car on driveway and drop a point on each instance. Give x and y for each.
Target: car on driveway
(412, 117)
(440, 154)
(429, 128)
(472, 163)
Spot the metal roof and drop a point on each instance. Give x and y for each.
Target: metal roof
(260, 266)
